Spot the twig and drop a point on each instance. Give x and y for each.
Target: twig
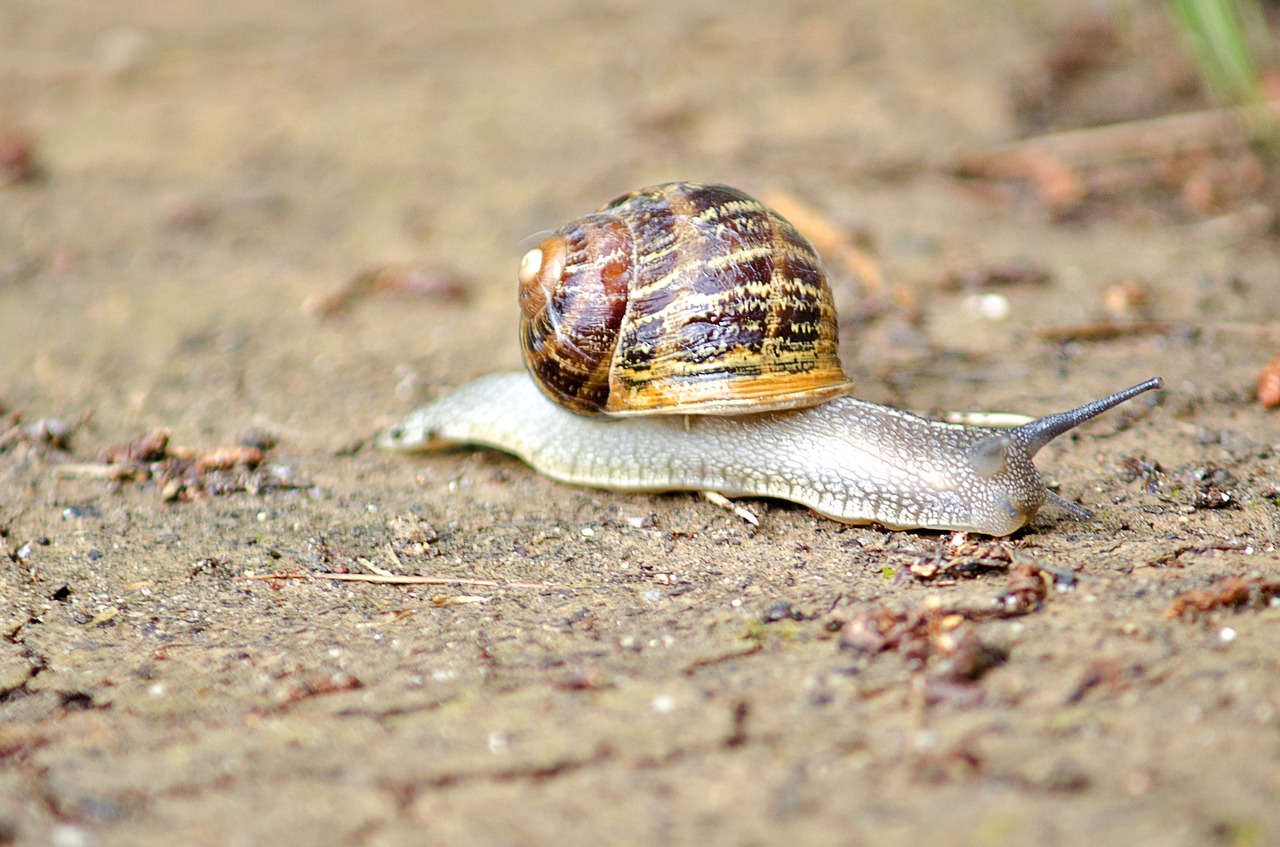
(415, 279)
(725, 503)
(100, 471)
(10, 435)
(401, 579)
(1101, 331)
(1179, 552)
(1160, 136)
(698, 664)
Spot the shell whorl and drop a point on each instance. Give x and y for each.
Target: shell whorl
(680, 298)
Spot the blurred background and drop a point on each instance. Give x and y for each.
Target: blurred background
(185, 177)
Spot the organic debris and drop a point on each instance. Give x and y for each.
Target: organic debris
(417, 280)
(183, 474)
(1109, 675)
(398, 579)
(1197, 160)
(1014, 274)
(1133, 469)
(43, 435)
(1269, 383)
(312, 684)
(930, 635)
(1232, 592)
(1029, 587)
(17, 156)
(1194, 486)
(1209, 487)
(959, 555)
(1127, 300)
(945, 639)
(1101, 331)
(151, 446)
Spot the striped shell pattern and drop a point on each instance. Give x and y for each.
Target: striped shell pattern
(679, 299)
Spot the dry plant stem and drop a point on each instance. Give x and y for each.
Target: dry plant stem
(10, 435)
(412, 279)
(1161, 136)
(100, 471)
(1101, 331)
(1108, 330)
(397, 579)
(723, 502)
(1242, 328)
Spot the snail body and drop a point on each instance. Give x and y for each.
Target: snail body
(849, 460)
(727, 379)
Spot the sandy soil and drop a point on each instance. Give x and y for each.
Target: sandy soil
(206, 169)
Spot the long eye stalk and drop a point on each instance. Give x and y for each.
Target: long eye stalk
(1038, 433)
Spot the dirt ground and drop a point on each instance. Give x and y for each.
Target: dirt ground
(187, 181)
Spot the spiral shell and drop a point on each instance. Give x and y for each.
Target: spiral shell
(679, 299)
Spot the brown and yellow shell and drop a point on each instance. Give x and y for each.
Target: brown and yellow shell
(680, 299)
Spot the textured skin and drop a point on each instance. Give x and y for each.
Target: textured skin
(849, 460)
(684, 298)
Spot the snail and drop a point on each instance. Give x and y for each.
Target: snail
(684, 338)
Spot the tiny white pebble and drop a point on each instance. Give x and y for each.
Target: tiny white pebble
(407, 387)
(262, 517)
(69, 835)
(663, 704)
(638, 523)
(993, 307)
(156, 690)
(1227, 634)
(499, 741)
(588, 531)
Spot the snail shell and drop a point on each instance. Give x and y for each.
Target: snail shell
(680, 299)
